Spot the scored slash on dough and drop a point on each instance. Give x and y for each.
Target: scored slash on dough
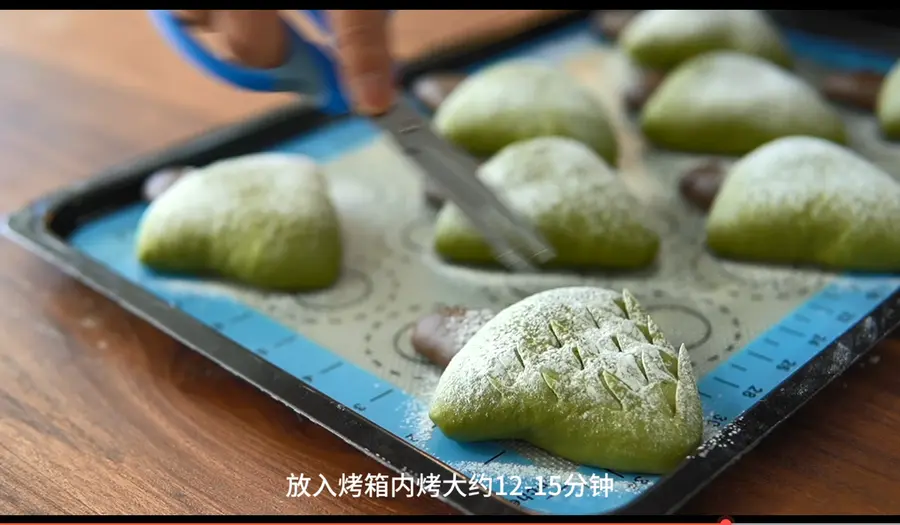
(583, 365)
(642, 369)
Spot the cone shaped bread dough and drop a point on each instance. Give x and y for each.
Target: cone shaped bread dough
(803, 200)
(728, 103)
(522, 100)
(571, 196)
(265, 220)
(887, 107)
(664, 38)
(583, 373)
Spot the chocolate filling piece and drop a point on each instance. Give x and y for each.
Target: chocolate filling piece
(440, 336)
(859, 89)
(640, 92)
(610, 23)
(700, 185)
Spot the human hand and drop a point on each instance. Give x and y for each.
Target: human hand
(255, 38)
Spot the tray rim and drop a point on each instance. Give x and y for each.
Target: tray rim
(40, 227)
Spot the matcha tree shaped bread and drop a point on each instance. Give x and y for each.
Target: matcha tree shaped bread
(804, 200)
(571, 196)
(264, 220)
(521, 100)
(728, 103)
(664, 38)
(583, 373)
(887, 107)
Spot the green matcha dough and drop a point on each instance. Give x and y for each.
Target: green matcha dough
(727, 103)
(521, 100)
(571, 196)
(583, 373)
(664, 38)
(887, 106)
(807, 201)
(264, 220)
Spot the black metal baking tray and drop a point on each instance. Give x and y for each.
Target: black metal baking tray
(45, 225)
(878, 30)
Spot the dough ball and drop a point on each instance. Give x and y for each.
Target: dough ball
(573, 198)
(264, 220)
(521, 100)
(581, 372)
(664, 38)
(728, 103)
(807, 201)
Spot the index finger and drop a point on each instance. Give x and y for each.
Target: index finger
(363, 47)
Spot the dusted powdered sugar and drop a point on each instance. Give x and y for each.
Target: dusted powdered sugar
(677, 24)
(515, 479)
(415, 411)
(804, 199)
(551, 319)
(261, 207)
(554, 176)
(573, 198)
(793, 173)
(521, 100)
(661, 38)
(285, 182)
(720, 437)
(508, 471)
(592, 360)
(535, 84)
(732, 85)
(463, 327)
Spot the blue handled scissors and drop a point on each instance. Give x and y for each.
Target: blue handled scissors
(310, 71)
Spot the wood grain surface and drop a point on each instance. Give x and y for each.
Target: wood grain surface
(102, 413)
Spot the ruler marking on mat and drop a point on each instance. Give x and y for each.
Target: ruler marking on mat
(736, 385)
(760, 356)
(495, 456)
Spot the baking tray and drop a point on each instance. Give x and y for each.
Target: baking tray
(341, 357)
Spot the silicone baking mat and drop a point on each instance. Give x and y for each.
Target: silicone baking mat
(763, 340)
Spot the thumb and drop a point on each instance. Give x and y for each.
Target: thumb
(362, 43)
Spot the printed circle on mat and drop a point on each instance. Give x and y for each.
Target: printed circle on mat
(756, 282)
(709, 329)
(353, 288)
(402, 343)
(389, 354)
(417, 235)
(693, 327)
(504, 287)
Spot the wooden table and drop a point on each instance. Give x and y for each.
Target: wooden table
(101, 413)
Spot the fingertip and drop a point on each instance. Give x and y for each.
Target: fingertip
(256, 38)
(195, 17)
(363, 45)
(373, 94)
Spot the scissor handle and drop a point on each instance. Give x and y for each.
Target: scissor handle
(309, 70)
